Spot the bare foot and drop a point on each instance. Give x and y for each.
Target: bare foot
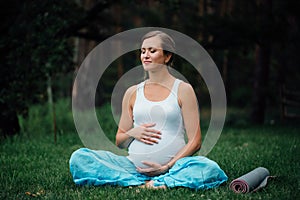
(150, 185)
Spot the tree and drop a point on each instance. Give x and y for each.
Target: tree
(262, 64)
(31, 51)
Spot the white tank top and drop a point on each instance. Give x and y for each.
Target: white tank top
(167, 116)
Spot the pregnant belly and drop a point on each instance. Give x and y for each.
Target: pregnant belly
(160, 153)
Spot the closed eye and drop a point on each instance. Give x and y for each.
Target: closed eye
(152, 50)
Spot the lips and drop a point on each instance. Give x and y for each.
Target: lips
(147, 62)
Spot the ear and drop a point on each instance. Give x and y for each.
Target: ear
(168, 57)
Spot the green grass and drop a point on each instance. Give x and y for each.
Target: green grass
(31, 162)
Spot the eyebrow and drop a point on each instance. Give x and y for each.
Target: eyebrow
(149, 48)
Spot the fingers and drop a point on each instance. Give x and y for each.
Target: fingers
(146, 134)
(153, 169)
(151, 164)
(149, 135)
(146, 171)
(148, 125)
(142, 171)
(149, 141)
(149, 130)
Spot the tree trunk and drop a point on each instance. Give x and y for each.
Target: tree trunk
(261, 77)
(51, 106)
(262, 62)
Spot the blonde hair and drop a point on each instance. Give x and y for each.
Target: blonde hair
(167, 43)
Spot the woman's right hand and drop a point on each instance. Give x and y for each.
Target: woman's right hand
(145, 133)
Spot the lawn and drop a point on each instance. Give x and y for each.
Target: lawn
(32, 166)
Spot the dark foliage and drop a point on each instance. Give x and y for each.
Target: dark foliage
(30, 51)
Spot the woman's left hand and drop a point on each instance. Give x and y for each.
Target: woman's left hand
(154, 169)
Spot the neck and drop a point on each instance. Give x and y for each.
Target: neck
(160, 76)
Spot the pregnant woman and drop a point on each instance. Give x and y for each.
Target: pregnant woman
(156, 116)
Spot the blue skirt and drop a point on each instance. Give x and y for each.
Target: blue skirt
(91, 167)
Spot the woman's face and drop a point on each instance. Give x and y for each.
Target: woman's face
(152, 55)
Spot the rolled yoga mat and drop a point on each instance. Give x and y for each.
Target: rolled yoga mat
(251, 182)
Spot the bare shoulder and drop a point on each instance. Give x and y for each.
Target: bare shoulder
(131, 90)
(185, 89)
(130, 95)
(186, 93)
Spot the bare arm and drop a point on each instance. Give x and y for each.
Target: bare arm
(126, 121)
(190, 113)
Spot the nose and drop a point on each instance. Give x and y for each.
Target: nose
(146, 54)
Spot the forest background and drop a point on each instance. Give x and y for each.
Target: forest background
(254, 44)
